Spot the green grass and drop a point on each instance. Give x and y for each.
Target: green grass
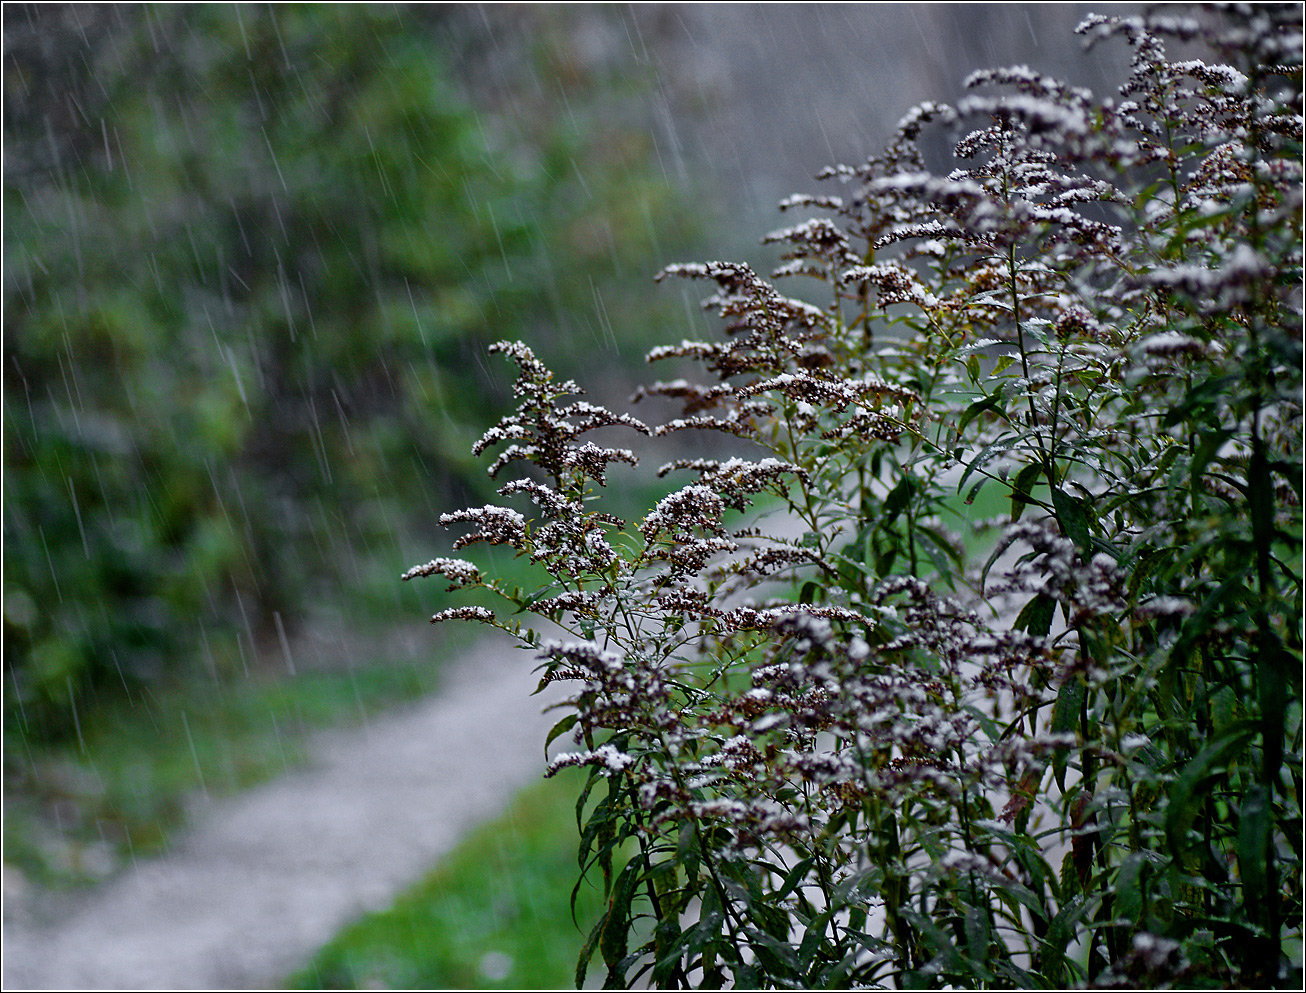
(495, 914)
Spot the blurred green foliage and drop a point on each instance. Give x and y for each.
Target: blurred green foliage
(252, 259)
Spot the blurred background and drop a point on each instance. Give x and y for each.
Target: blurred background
(253, 256)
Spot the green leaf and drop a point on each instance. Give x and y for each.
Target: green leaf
(813, 937)
(1147, 563)
(984, 403)
(1073, 520)
(587, 951)
(562, 727)
(986, 454)
(1061, 931)
(979, 932)
(1002, 544)
(1036, 616)
(616, 927)
(1128, 888)
(1255, 821)
(1017, 978)
(779, 952)
(884, 560)
(1021, 487)
(1065, 719)
(1168, 456)
(705, 932)
(1188, 793)
(795, 876)
(668, 942)
(940, 942)
(941, 544)
(898, 499)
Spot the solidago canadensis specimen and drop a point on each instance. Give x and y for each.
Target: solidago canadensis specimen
(874, 752)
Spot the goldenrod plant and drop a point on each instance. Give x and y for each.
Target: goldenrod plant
(837, 746)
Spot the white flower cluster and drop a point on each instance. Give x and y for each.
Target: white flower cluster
(460, 571)
(498, 526)
(606, 756)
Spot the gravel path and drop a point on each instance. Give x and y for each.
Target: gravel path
(267, 877)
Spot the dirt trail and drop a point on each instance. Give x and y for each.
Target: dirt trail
(268, 876)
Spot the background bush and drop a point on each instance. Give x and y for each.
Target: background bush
(252, 259)
(1076, 758)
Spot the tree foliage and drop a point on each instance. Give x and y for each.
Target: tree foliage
(842, 746)
(253, 258)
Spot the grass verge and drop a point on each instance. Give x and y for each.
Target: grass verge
(495, 914)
